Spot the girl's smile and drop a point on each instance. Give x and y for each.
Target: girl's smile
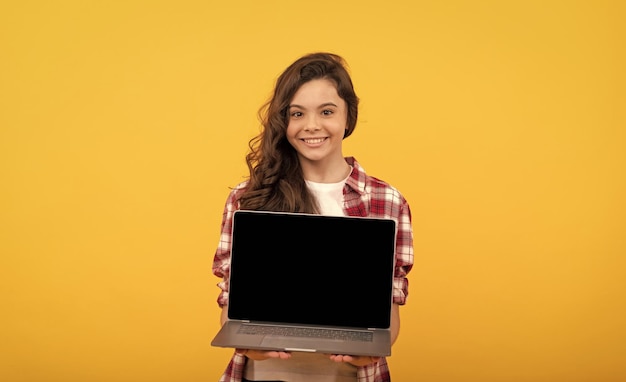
(313, 141)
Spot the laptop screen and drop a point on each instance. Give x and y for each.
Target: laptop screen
(312, 269)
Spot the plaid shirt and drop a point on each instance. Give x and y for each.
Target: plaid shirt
(364, 195)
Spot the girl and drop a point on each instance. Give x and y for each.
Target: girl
(296, 164)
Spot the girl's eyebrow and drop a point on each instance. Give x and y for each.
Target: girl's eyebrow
(319, 107)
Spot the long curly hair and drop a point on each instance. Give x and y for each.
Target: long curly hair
(276, 182)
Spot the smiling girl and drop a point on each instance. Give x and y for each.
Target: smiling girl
(297, 164)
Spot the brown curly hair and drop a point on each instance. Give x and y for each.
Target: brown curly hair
(276, 182)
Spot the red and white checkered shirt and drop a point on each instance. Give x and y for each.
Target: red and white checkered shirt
(364, 196)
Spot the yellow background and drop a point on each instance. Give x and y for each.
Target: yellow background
(124, 123)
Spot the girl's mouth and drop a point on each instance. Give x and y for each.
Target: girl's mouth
(313, 141)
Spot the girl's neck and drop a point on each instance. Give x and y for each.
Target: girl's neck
(332, 172)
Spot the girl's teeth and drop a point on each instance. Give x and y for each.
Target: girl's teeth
(318, 140)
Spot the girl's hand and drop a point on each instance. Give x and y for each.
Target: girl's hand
(355, 360)
(260, 355)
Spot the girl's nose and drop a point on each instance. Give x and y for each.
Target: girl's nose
(312, 124)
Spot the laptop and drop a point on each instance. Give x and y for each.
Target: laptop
(310, 283)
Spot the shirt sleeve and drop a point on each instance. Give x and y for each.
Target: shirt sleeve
(221, 259)
(404, 254)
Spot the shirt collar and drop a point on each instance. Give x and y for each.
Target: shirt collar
(356, 180)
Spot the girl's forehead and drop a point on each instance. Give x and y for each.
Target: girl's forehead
(317, 88)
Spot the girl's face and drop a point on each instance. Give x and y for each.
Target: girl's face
(317, 122)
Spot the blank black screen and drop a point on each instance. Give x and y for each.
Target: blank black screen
(312, 269)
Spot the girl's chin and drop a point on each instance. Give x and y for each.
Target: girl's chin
(311, 157)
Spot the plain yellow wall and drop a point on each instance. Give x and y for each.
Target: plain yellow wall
(123, 123)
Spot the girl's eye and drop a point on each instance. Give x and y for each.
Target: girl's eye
(327, 112)
(296, 114)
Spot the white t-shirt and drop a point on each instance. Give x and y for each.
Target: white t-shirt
(301, 367)
(329, 196)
